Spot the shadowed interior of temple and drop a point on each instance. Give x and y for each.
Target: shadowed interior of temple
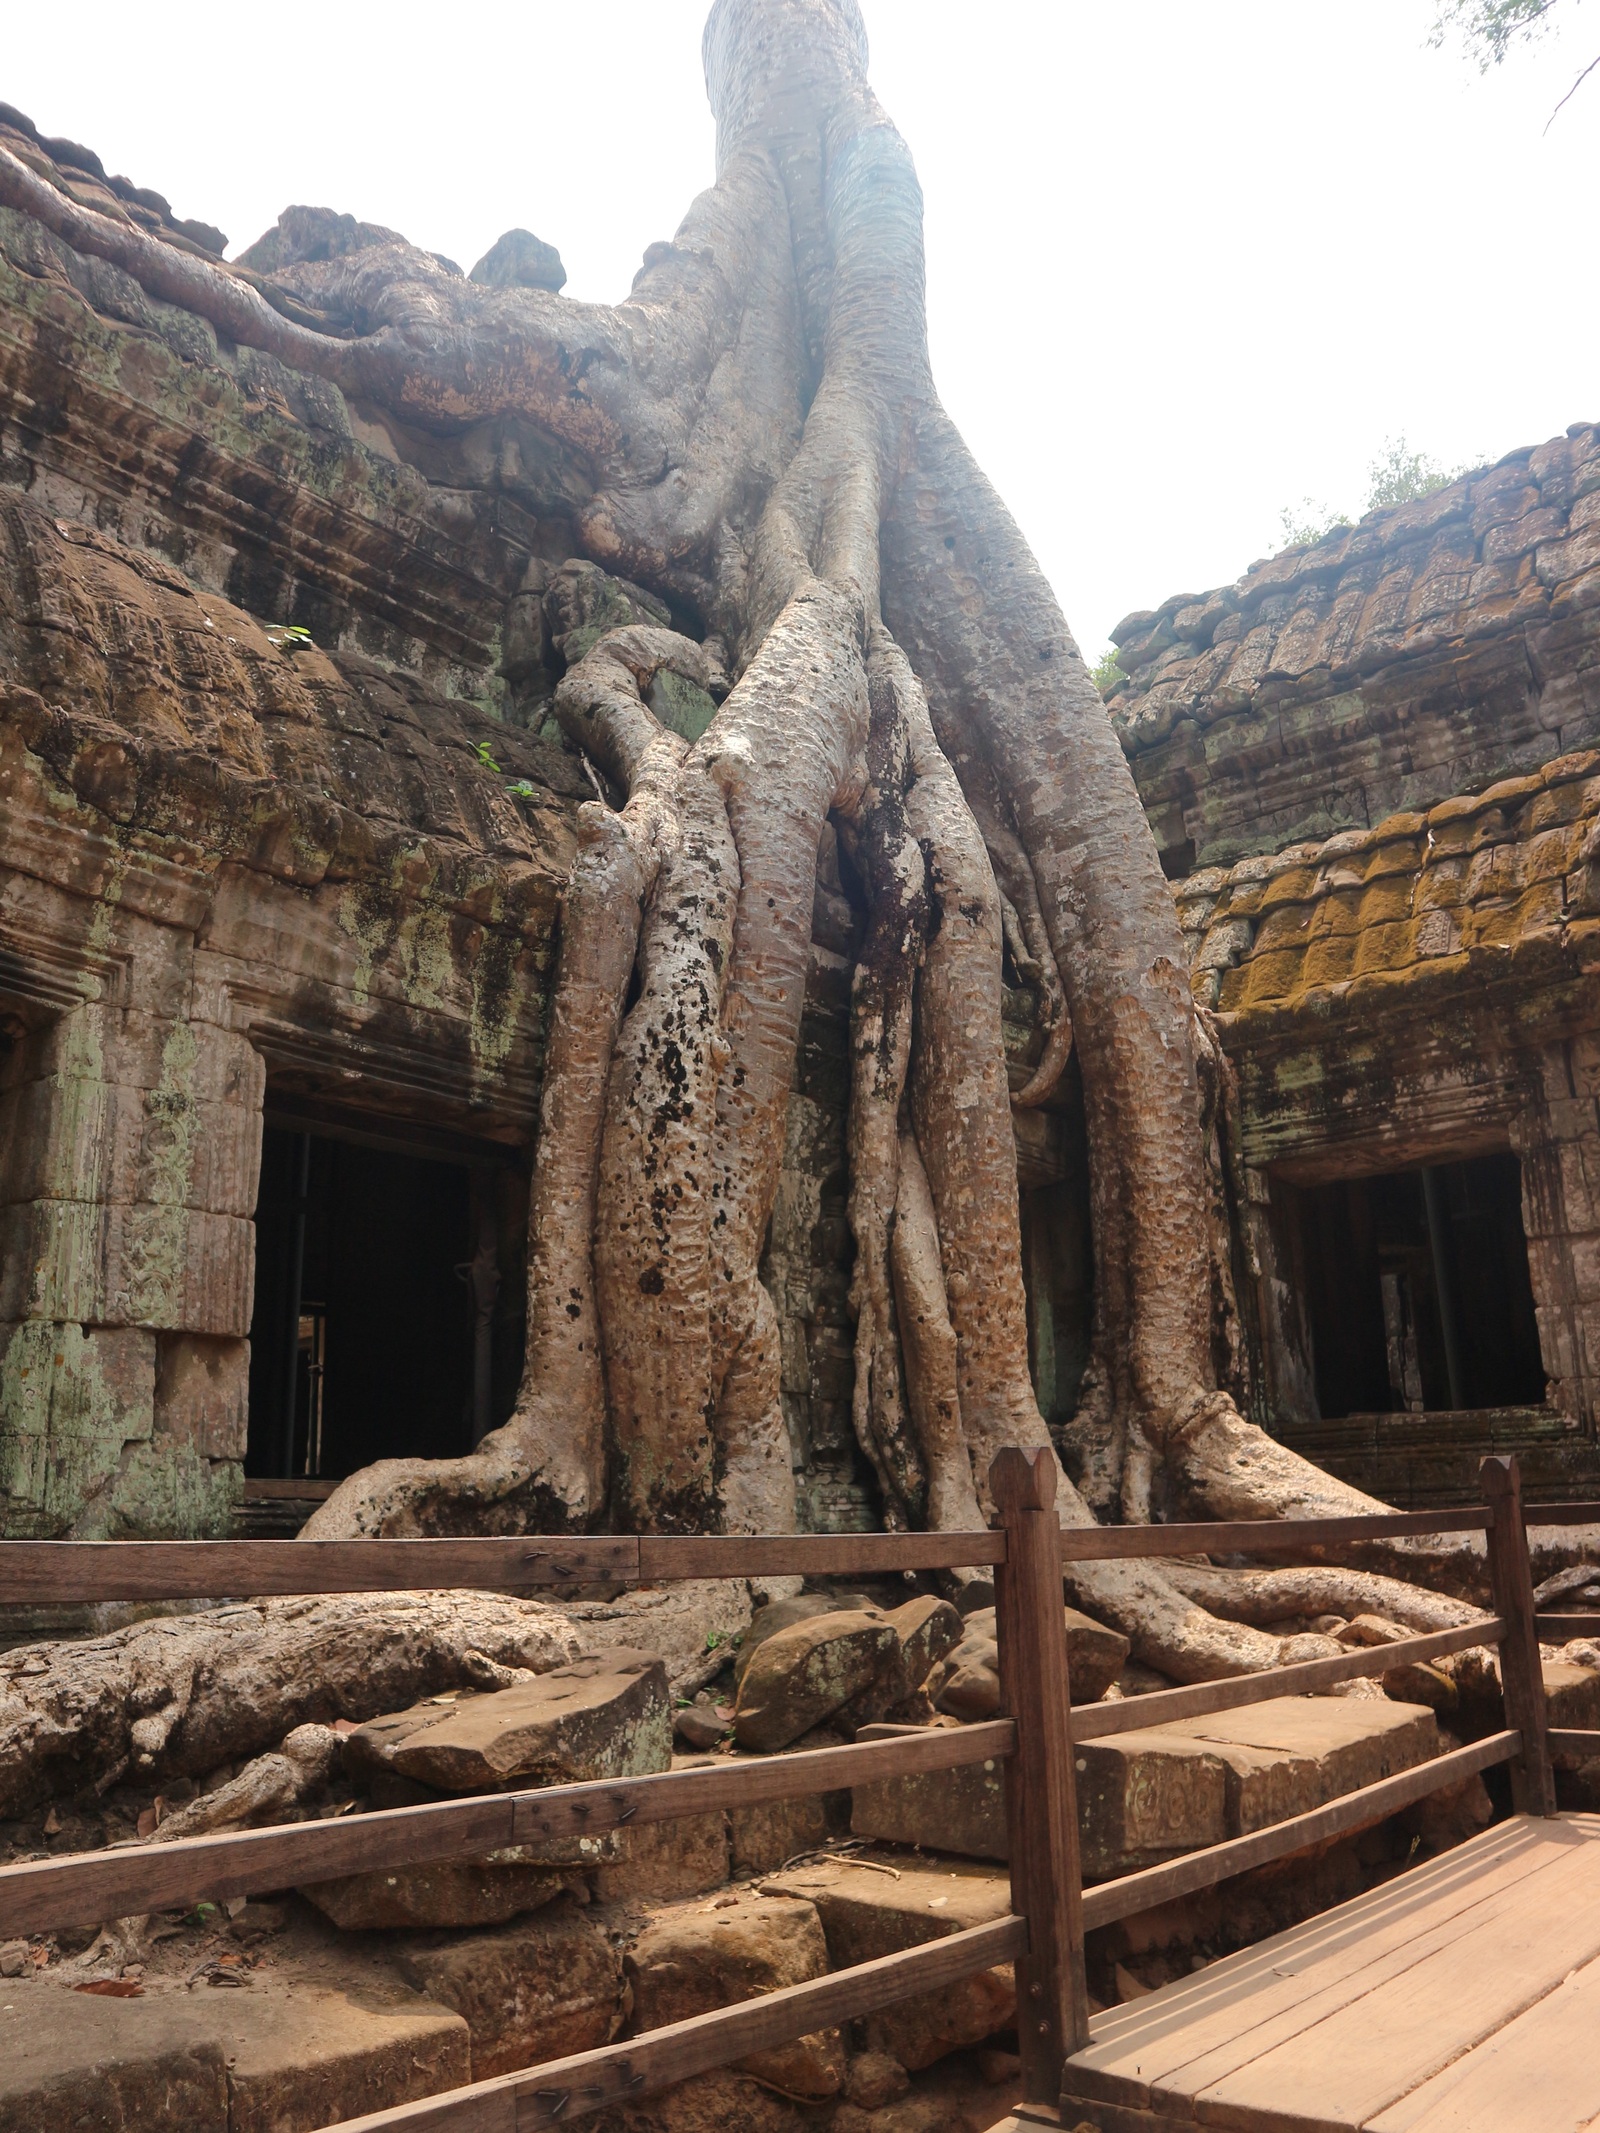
(365, 1301)
(1418, 1292)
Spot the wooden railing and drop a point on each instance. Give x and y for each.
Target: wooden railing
(1034, 1738)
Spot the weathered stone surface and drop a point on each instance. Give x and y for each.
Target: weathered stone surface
(723, 2101)
(805, 1673)
(866, 1914)
(267, 2059)
(926, 1629)
(538, 1989)
(1148, 1794)
(1293, 1753)
(767, 1837)
(944, 1810)
(600, 1717)
(582, 603)
(1153, 1792)
(713, 1955)
(925, 2113)
(873, 2079)
(452, 1892)
(967, 1683)
(684, 1857)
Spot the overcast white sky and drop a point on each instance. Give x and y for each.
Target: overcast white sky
(1189, 260)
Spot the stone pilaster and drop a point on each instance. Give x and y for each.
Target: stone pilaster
(131, 1138)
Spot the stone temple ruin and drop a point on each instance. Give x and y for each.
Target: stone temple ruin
(285, 827)
(285, 824)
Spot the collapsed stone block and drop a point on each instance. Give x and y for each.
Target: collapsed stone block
(868, 1912)
(448, 1892)
(967, 1684)
(604, 1716)
(264, 2059)
(714, 1955)
(538, 1989)
(804, 1674)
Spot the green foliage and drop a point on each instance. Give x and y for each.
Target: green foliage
(1307, 522)
(1397, 476)
(1106, 675)
(1400, 476)
(1489, 28)
(519, 788)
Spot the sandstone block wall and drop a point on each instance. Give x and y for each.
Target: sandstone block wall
(1416, 994)
(1429, 651)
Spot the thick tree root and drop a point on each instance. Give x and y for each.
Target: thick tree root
(269, 1789)
(1264, 1596)
(182, 1695)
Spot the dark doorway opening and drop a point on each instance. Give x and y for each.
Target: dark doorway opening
(1418, 1291)
(368, 1339)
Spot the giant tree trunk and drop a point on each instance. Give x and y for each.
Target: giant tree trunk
(770, 453)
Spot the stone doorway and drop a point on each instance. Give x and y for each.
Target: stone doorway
(375, 1331)
(1418, 1293)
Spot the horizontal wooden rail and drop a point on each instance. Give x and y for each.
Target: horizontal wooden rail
(1097, 1544)
(1112, 1900)
(818, 1555)
(1554, 1628)
(88, 1887)
(78, 1571)
(209, 1570)
(1574, 1740)
(1093, 1721)
(564, 2089)
(1582, 1513)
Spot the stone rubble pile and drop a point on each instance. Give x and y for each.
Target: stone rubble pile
(393, 1984)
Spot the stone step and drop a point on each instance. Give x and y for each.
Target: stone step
(1157, 1791)
(872, 1907)
(259, 2058)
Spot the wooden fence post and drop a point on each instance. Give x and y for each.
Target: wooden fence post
(1533, 1785)
(1041, 1796)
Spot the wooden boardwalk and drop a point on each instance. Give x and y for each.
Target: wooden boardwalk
(1461, 1997)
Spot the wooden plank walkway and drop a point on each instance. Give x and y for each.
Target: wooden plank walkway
(1461, 1997)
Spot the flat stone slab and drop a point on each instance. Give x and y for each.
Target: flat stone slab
(699, 1957)
(441, 1892)
(941, 1810)
(531, 1991)
(257, 2059)
(606, 1716)
(1156, 1791)
(870, 1908)
(1293, 1753)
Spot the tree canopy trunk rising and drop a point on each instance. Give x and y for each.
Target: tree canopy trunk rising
(892, 669)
